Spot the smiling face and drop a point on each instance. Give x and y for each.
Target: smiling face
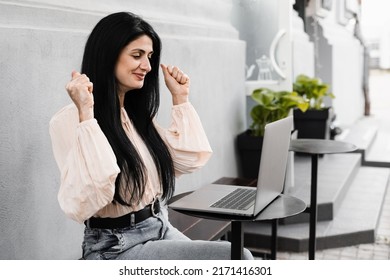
(133, 64)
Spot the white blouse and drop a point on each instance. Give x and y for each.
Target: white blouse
(88, 165)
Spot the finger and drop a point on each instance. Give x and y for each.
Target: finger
(164, 69)
(81, 80)
(75, 74)
(179, 76)
(184, 79)
(84, 78)
(170, 69)
(175, 72)
(84, 81)
(167, 75)
(90, 87)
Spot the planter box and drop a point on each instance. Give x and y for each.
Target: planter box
(313, 124)
(249, 153)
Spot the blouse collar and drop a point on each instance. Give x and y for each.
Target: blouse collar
(124, 116)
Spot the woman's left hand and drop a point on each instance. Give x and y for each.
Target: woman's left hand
(177, 82)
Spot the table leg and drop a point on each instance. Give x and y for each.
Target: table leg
(313, 207)
(237, 240)
(274, 239)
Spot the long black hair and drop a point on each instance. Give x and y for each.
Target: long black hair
(104, 45)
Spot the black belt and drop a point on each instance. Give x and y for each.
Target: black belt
(128, 220)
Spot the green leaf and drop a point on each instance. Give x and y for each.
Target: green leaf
(272, 106)
(312, 89)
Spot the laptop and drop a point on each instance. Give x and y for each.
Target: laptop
(247, 201)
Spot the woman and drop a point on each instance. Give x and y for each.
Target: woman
(118, 166)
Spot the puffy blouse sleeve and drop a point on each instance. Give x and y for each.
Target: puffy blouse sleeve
(86, 162)
(186, 139)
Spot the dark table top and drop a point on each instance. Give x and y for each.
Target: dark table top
(321, 146)
(283, 206)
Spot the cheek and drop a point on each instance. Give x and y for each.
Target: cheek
(119, 73)
(122, 70)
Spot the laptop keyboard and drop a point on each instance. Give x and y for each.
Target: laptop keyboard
(240, 199)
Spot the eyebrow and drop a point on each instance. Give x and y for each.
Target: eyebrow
(141, 51)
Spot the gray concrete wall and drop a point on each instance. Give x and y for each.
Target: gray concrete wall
(41, 42)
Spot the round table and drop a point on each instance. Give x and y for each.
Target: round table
(283, 206)
(316, 147)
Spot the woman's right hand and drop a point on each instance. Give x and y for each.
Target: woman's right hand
(80, 91)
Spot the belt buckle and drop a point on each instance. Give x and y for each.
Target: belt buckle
(132, 220)
(154, 214)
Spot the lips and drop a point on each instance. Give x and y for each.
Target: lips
(140, 76)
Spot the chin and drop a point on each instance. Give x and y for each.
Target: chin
(137, 86)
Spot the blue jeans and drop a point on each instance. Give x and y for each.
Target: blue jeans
(152, 239)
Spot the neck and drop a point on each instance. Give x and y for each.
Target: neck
(121, 96)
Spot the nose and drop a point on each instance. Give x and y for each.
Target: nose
(145, 64)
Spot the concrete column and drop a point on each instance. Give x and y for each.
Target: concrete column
(338, 62)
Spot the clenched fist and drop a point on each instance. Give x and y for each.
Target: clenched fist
(80, 91)
(177, 82)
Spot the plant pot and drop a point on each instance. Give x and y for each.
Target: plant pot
(249, 153)
(313, 124)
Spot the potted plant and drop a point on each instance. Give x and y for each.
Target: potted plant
(314, 122)
(270, 106)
